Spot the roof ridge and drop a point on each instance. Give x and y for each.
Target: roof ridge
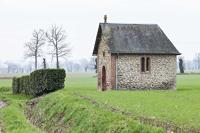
(128, 24)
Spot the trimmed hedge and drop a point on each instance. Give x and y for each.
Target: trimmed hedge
(25, 84)
(40, 82)
(47, 80)
(15, 85)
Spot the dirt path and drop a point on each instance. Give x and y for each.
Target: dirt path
(2, 104)
(1, 130)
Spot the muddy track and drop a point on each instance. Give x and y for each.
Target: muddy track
(2, 104)
(168, 126)
(1, 129)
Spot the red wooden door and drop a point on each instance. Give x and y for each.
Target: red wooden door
(103, 78)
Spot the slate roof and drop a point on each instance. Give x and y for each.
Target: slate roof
(134, 39)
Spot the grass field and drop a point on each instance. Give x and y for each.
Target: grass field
(5, 82)
(181, 107)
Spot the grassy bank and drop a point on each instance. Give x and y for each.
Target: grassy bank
(12, 117)
(64, 111)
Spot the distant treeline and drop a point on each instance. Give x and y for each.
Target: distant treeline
(82, 65)
(192, 65)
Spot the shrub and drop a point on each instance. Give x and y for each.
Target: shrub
(40, 82)
(21, 90)
(15, 85)
(5, 89)
(46, 80)
(25, 84)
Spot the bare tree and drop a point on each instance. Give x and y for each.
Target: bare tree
(84, 64)
(69, 66)
(11, 67)
(188, 65)
(34, 46)
(92, 63)
(197, 59)
(76, 67)
(56, 38)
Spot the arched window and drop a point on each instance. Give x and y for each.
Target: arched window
(104, 53)
(142, 64)
(147, 64)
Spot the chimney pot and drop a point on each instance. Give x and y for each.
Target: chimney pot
(105, 18)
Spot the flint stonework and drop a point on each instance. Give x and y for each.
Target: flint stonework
(162, 74)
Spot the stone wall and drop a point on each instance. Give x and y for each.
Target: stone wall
(104, 60)
(162, 74)
(113, 71)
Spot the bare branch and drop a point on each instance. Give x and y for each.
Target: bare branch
(33, 48)
(56, 37)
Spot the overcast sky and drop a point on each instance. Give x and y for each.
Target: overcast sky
(179, 19)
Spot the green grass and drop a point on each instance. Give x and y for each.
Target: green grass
(12, 117)
(5, 82)
(61, 111)
(181, 107)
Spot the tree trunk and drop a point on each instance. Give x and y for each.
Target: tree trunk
(35, 62)
(36, 55)
(57, 64)
(57, 61)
